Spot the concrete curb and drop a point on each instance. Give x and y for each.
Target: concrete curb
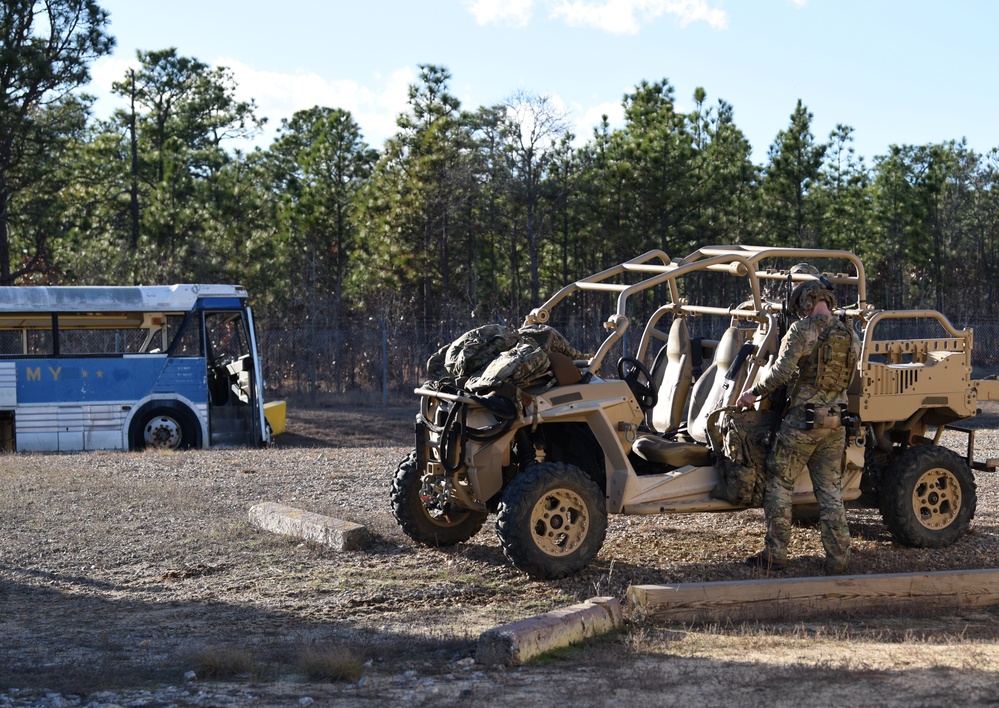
(515, 643)
(335, 533)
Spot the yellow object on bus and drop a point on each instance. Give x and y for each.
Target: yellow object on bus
(274, 412)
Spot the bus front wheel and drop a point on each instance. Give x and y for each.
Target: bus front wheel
(168, 427)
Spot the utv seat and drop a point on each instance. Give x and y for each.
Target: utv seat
(710, 391)
(706, 392)
(674, 454)
(564, 369)
(676, 377)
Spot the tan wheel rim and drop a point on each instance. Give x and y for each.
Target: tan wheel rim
(559, 522)
(936, 498)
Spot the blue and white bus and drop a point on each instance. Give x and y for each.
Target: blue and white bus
(129, 368)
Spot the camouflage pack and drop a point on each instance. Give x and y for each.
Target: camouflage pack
(487, 356)
(471, 353)
(837, 358)
(745, 436)
(523, 365)
(551, 340)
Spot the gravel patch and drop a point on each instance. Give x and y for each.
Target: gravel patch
(136, 579)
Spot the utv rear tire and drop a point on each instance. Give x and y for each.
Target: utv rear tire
(422, 517)
(552, 520)
(928, 497)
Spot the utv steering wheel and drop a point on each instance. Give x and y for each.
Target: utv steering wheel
(628, 369)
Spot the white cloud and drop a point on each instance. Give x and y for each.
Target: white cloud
(514, 12)
(583, 120)
(590, 117)
(628, 16)
(279, 95)
(106, 70)
(614, 16)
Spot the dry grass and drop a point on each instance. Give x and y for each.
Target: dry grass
(261, 664)
(114, 566)
(226, 662)
(331, 663)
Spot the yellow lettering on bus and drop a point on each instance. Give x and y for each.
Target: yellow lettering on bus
(55, 373)
(34, 374)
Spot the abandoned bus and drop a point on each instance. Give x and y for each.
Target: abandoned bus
(129, 368)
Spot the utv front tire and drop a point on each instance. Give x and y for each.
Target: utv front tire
(552, 520)
(425, 515)
(928, 497)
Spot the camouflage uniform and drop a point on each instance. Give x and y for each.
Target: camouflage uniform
(805, 355)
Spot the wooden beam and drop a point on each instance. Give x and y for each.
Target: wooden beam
(794, 598)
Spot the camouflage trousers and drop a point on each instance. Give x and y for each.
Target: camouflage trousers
(821, 450)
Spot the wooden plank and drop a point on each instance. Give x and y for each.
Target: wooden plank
(793, 598)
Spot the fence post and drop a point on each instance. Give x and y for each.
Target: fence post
(381, 321)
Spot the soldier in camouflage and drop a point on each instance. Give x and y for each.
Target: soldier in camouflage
(819, 354)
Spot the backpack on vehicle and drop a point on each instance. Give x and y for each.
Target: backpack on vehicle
(486, 357)
(522, 365)
(471, 353)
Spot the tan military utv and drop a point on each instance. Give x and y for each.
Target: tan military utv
(553, 459)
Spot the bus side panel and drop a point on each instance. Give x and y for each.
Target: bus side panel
(70, 428)
(184, 376)
(102, 427)
(81, 404)
(8, 384)
(37, 428)
(80, 381)
(102, 380)
(70, 432)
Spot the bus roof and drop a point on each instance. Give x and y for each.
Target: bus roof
(90, 298)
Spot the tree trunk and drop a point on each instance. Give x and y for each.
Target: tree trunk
(4, 240)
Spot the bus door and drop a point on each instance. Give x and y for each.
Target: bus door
(259, 378)
(233, 398)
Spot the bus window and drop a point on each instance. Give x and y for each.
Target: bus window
(39, 342)
(226, 337)
(187, 340)
(11, 343)
(100, 335)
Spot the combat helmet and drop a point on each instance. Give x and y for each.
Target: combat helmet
(806, 268)
(805, 296)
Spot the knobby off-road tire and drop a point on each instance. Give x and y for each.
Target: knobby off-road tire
(425, 517)
(552, 520)
(928, 497)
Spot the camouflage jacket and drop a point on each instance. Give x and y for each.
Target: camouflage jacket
(796, 361)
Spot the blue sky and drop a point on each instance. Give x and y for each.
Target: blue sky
(897, 71)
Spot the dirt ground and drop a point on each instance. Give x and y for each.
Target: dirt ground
(121, 573)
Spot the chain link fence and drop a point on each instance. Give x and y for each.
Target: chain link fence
(369, 359)
(382, 362)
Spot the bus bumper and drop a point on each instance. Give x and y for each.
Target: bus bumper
(274, 412)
